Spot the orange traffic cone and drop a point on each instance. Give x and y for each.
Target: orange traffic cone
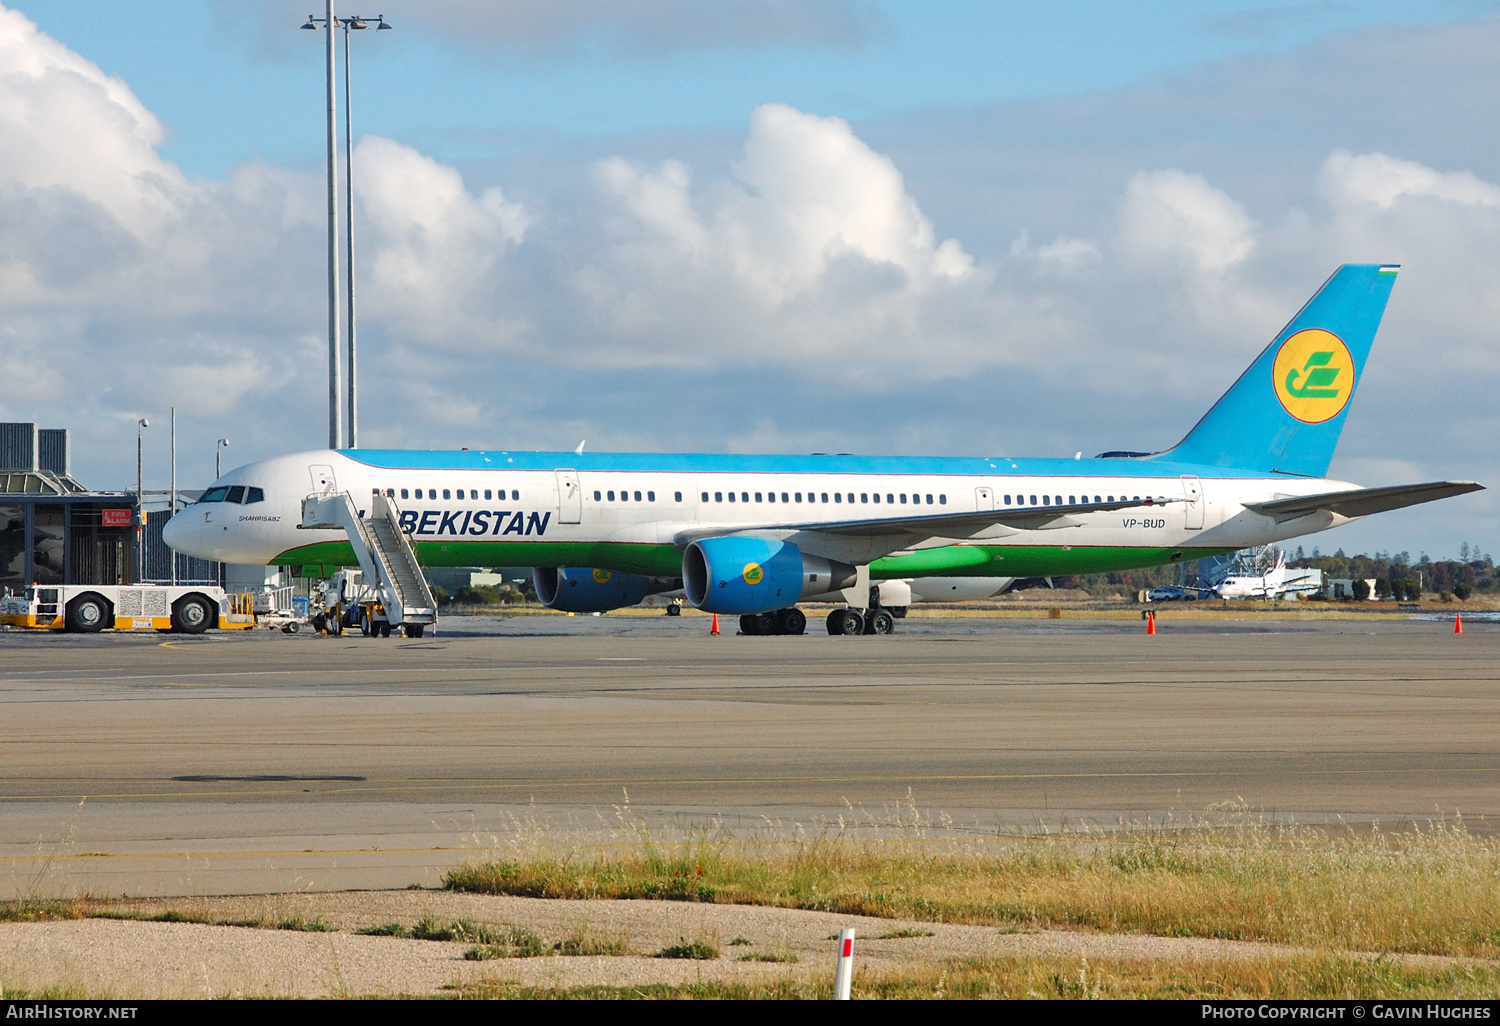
(1151, 622)
(715, 629)
(1458, 623)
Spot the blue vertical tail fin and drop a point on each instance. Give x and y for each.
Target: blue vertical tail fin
(1285, 413)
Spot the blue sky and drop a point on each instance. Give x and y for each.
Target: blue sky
(236, 81)
(754, 225)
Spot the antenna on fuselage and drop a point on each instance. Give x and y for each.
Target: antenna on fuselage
(579, 451)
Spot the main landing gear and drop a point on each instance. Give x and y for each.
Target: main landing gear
(853, 621)
(783, 621)
(841, 621)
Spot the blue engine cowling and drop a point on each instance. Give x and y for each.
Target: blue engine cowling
(755, 575)
(582, 589)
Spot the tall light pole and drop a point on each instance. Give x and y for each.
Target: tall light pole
(173, 512)
(335, 419)
(356, 23)
(219, 446)
(140, 505)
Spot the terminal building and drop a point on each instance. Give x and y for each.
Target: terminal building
(53, 530)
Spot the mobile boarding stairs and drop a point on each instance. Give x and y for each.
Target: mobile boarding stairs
(384, 553)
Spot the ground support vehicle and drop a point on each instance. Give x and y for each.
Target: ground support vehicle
(86, 608)
(280, 608)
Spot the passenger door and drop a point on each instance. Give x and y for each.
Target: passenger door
(984, 499)
(1192, 490)
(323, 480)
(569, 498)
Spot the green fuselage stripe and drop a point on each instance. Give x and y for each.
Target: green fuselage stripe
(655, 560)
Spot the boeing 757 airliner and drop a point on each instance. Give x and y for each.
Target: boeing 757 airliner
(753, 535)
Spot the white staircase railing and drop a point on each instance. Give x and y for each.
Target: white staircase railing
(383, 552)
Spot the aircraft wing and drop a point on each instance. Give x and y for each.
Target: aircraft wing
(1361, 502)
(938, 525)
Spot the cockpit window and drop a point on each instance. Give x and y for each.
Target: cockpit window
(236, 494)
(214, 495)
(254, 495)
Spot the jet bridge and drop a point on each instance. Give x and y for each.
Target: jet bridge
(384, 554)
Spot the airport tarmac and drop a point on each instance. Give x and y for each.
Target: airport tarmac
(251, 762)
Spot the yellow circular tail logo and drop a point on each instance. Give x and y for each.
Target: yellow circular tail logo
(602, 576)
(1313, 375)
(753, 573)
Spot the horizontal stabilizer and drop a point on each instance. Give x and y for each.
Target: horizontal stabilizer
(1361, 502)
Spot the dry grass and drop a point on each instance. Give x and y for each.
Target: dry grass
(1431, 891)
(1305, 978)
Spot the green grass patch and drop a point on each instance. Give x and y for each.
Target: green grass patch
(696, 949)
(1312, 978)
(904, 933)
(768, 956)
(1428, 891)
(385, 930)
(317, 925)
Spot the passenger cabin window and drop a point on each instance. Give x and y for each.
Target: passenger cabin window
(1033, 500)
(770, 496)
(650, 496)
(487, 493)
(942, 500)
(929, 499)
(637, 496)
(596, 495)
(611, 496)
(838, 497)
(825, 496)
(404, 495)
(744, 496)
(784, 498)
(731, 496)
(797, 496)
(679, 496)
(718, 496)
(903, 498)
(1046, 500)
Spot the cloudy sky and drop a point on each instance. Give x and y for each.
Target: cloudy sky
(753, 225)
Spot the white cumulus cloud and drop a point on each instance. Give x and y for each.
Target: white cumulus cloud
(1173, 215)
(1385, 180)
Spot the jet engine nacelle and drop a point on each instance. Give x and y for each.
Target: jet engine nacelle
(582, 589)
(756, 575)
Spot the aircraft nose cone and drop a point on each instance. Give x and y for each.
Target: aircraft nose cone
(182, 535)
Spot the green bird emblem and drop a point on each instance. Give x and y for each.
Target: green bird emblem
(1316, 376)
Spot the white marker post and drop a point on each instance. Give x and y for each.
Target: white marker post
(843, 976)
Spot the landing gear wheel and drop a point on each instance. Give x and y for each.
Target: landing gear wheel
(412, 630)
(749, 625)
(192, 615)
(86, 614)
(765, 623)
(880, 621)
(846, 621)
(791, 621)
